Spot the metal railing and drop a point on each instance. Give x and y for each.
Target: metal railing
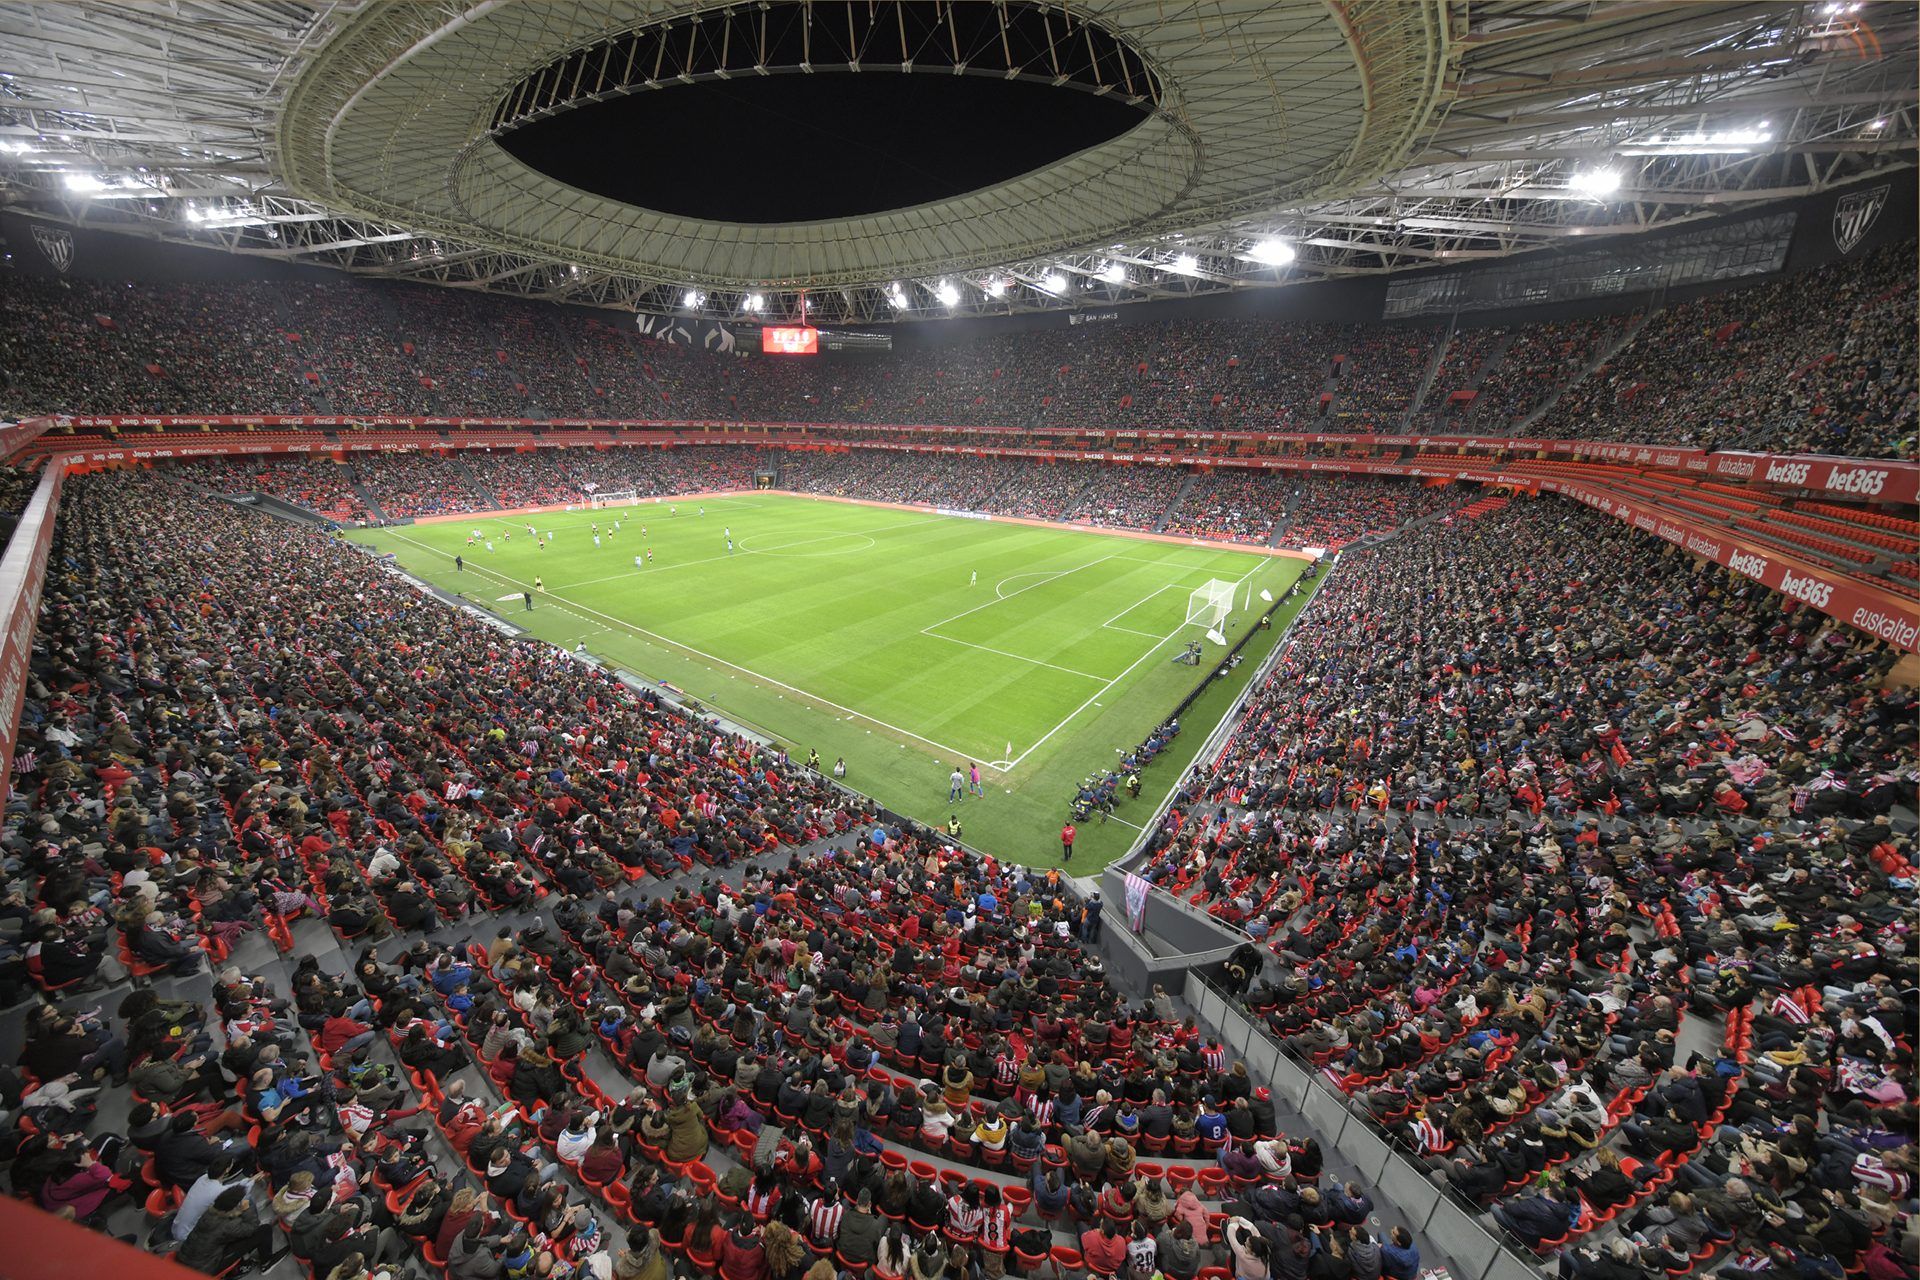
(1382, 1162)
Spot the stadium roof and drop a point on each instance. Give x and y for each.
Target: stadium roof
(1278, 141)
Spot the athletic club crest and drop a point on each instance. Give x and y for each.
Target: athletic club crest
(1854, 216)
(57, 244)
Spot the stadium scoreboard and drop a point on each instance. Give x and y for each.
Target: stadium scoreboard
(805, 340)
(790, 340)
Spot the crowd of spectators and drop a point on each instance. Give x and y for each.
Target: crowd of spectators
(1462, 367)
(86, 346)
(1820, 363)
(1225, 504)
(1378, 373)
(1232, 505)
(555, 374)
(1332, 510)
(707, 469)
(1128, 497)
(1523, 794)
(1540, 360)
(407, 485)
(235, 726)
(1044, 490)
(877, 475)
(16, 490)
(350, 334)
(554, 477)
(320, 485)
(961, 482)
(462, 338)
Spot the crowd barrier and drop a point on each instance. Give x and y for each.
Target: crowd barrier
(1880, 479)
(23, 572)
(1475, 1252)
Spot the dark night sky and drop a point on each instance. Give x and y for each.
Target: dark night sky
(798, 148)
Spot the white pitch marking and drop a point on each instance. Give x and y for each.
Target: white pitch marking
(620, 624)
(1135, 605)
(931, 627)
(1111, 683)
(1017, 657)
(688, 564)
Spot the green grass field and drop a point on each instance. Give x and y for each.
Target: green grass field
(861, 632)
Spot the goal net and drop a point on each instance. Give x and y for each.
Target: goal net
(1210, 604)
(613, 498)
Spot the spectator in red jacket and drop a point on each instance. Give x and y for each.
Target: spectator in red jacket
(341, 1034)
(1104, 1249)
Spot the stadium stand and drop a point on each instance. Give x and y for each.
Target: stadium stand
(1541, 361)
(1445, 476)
(1489, 922)
(342, 773)
(1582, 869)
(320, 485)
(1807, 364)
(1331, 511)
(1822, 362)
(1231, 506)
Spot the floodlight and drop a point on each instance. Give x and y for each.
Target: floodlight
(1184, 264)
(84, 182)
(1275, 253)
(1597, 182)
(1054, 283)
(692, 298)
(948, 295)
(996, 287)
(1113, 273)
(755, 302)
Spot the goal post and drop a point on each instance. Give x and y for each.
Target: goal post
(1211, 602)
(613, 498)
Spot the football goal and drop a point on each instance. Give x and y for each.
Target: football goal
(1210, 603)
(613, 498)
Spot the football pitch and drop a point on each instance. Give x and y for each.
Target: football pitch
(903, 641)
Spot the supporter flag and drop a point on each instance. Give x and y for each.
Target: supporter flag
(1137, 888)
